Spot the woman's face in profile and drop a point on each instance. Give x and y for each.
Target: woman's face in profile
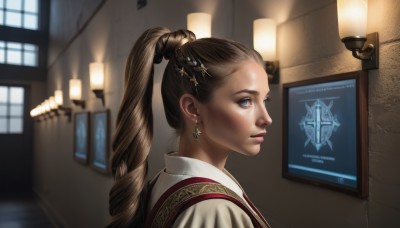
(236, 117)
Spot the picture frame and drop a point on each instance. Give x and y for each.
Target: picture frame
(81, 137)
(100, 142)
(325, 132)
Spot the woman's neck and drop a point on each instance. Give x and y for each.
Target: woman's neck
(201, 150)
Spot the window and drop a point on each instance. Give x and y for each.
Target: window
(11, 109)
(18, 54)
(24, 39)
(20, 13)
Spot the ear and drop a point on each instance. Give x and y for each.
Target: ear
(189, 106)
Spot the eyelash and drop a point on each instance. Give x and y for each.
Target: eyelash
(249, 100)
(241, 101)
(266, 100)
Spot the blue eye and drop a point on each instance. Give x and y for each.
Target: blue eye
(245, 102)
(266, 100)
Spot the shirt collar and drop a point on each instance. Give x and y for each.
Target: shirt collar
(178, 165)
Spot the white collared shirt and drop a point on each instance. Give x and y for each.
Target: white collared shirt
(179, 168)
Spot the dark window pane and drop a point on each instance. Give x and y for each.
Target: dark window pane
(31, 6)
(16, 95)
(3, 110)
(14, 4)
(30, 21)
(13, 19)
(3, 125)
(16, 125)
(16, 110)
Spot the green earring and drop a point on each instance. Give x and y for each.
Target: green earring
(196, 133)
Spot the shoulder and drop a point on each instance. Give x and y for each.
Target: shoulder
(213, 213)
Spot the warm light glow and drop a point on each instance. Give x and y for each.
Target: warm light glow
(264, 38)
(38, 110)
(352, 18)
(199, 24)
(52, 103)
(47, 105)
(34, 112)
(96, 76)
(75, 89)
(58, 97)
(42, 108)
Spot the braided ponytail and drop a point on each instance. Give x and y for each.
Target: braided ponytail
(134, 125)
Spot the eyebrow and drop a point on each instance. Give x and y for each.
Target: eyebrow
(254, 92)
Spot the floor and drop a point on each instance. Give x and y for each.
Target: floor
(22, 212)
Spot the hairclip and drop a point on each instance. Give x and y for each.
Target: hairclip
(202, 69)
(182, 72)
(194, 81)
(192, 66)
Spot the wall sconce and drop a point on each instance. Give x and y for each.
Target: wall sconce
(46, 105)
(97, 79)
(75, 92)
(59, 100)
(352, 21)
(53, 105)
(264, 41)
(43, 110)
(199, 24)
(36, 113)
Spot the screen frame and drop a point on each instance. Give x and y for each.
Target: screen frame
(94, 152)
(361, 136)
(86, 122)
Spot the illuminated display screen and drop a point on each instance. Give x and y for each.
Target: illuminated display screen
(321, 132)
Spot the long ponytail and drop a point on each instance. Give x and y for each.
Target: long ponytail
(134, 126)
(134, 131)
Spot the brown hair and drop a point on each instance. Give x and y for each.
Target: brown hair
(134, 126)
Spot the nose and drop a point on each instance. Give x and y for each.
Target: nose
(264, 119)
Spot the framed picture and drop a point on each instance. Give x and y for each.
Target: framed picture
(325, 132)
(100, 141)
(81, 136)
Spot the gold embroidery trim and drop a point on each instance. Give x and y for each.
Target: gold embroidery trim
(188, 192)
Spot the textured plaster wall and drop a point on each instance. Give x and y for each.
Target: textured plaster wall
(308, 46)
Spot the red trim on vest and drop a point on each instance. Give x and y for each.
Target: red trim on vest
(170, 191)
(197, 199)
(254, 208)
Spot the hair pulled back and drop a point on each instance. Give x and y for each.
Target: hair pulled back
(134, 125)
(219, 56)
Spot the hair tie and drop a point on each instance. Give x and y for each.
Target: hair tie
(168, 43)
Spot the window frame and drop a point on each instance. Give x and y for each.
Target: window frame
(27, 36)
(22, 50)
(8, 115)
(20, 12)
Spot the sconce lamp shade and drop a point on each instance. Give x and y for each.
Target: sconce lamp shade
(58, 97)
(52, 103)
(352, 18)
(75, 89)
(200, 24)
(352, 22)
(96, 70)
(264, 38)
(264, 41)
(47, 105)
(32, 113)
(59, 101)
(42, 108)
(35, 112)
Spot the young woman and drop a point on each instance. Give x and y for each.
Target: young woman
(214, 93)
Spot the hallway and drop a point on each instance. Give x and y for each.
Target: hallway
(22, 212)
